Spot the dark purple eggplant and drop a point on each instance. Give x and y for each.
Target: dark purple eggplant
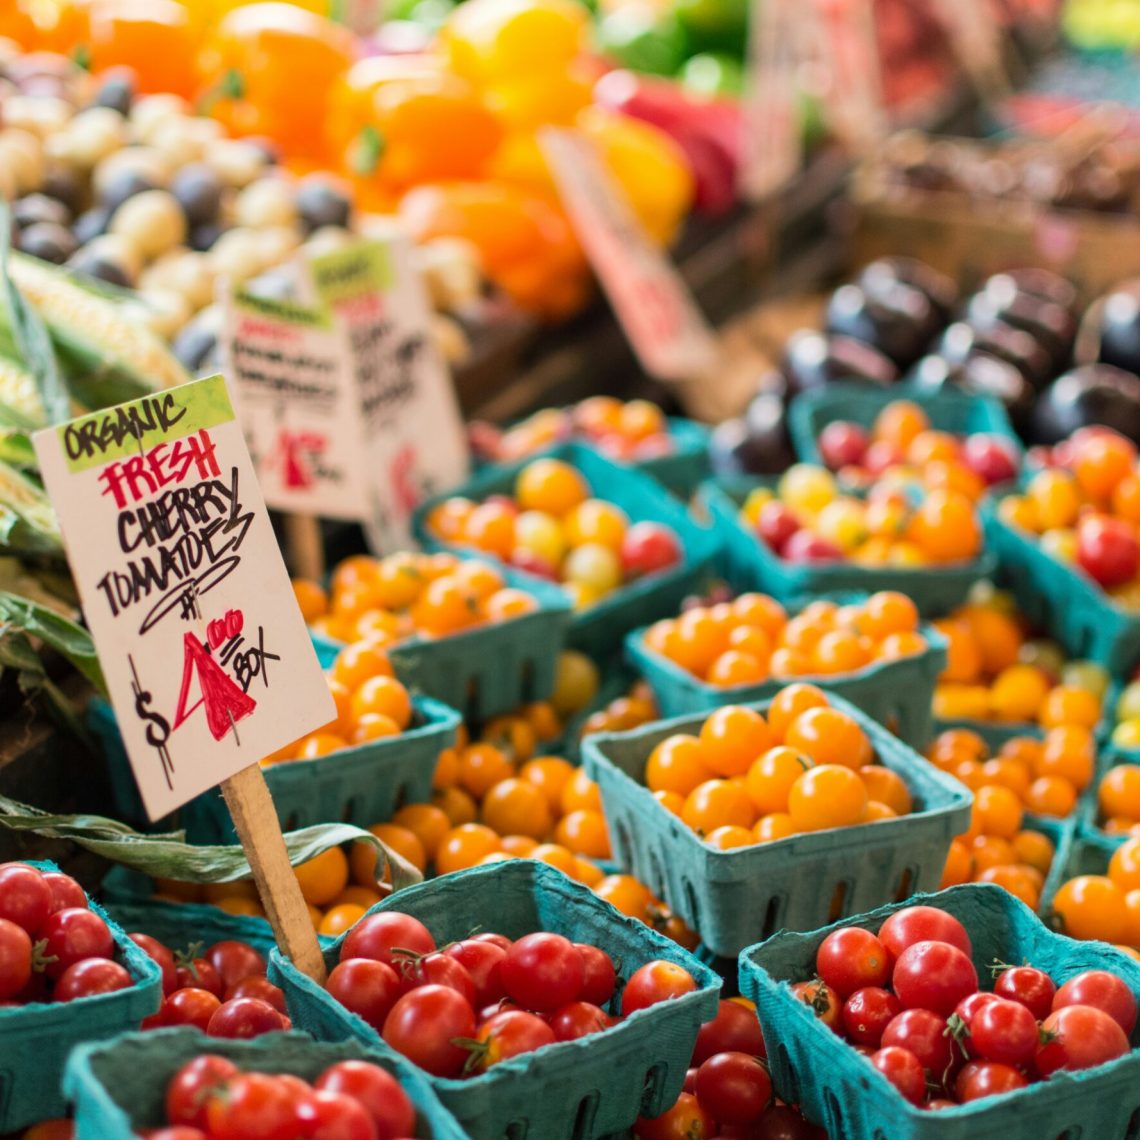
(1090, 394)
(979, 374)
(1119, 332)
(897, 319)
(1000, 301)
(756, 443)
(939, 289)
(1015, 346)
(813, 360)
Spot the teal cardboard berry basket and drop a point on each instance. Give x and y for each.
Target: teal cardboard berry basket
(118, 1087)
(1064, 600)
(491, 669)
(951, 411)
(599, 629)
(897, 694)
(834, 1085)
(750, 565)
(362, 784)
(183, 926)
(573, 1090)
(35, 1039)
(733, 898)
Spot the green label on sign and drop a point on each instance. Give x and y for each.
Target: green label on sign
(346, 273)
(127, 429)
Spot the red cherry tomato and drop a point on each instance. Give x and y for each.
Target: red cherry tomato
(734, 1088)
(1004, 1031)
(500, 940)
(850, 959)
(655, 981)
(423, 1024)
(15, 959)
(200, 975)
(542, 971)
(365, 987)
(189, 1006)
(647, 548)
(376, 935)
(71, 935)
(866, 1013)
(780, 1122)
(1029, 986)
(242, 1018)
(1078, 1037)
(1103, 991)
(436, 969)
(934, 976)
(160, 954)
(904, 1070)
(326, 1115)
(987, 1078)
(190, 1088)
(257, 986)
(25, 897)
(234, 961)
(255, 1107)
(1107, 549)
(922, 924)
(178, 1132)
(578, 1019)
(508, 1035)
(65, 891)
(822, 999)
(684, 1120)
(482, 961)
(599, 979)
(90, 977)
(391, 1109)
(924, 1034)
(735, 1029)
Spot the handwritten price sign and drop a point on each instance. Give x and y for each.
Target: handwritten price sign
(206, 656)
(668, 332)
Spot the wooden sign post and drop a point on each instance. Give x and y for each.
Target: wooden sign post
(207, 659)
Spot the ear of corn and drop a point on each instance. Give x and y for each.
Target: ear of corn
(20, 403)
(106, 356)
(27, 522)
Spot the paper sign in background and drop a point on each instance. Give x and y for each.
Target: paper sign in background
(207, 658)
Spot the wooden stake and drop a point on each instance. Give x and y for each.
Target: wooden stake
(304, 546)
(255, 820)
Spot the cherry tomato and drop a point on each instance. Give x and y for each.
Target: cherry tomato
(850, 959)
(924, 1034)
(189, 1089)
(1033, 988)
(189, 1006)
(1078, 1037)
(482, 961)
(649, 547)
(65, 891)
(734, 1088)
(255, 1107)
(684, 1120)
(242, 1018)
(422, 1025)
(578, 1019)
(1107, 549)
(866, 1013)
(934, 976)
(822, 999)
(376, 935)
(178, 1132)
(1004, 1031)
(391, 1109)
(257, 986)
(542, 971)
(509, 1034)
(158, 953)
(15, 959)
(327, 1115)
(365, 987)
(199, 974)
(986, 1078)
(904, 1070)
(436, 969)
(25, 898)
(655, 981)
(780, 1122)
(500, 940)
(1103, 991)
(922, 924)
(71, 935)
(89, 977)
(599, 979)
(735, 1029)
(234, 961)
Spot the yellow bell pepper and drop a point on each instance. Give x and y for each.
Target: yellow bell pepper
(650, 167)
(548, 98)
(497, 41)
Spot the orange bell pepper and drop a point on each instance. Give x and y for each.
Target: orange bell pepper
(16, 24)
(403, 122)
(282, 61)
(61, 26)
(153, 37)
(525, 243)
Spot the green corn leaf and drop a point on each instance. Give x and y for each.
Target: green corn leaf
(22, 616)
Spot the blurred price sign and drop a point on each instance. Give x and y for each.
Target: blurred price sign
(207, 659)
(849, 51)
(667, 330)
(773, 149)
(976, 37)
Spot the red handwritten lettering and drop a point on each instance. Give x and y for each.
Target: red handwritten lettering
(141, 476)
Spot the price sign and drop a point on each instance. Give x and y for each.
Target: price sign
(349, 411)
(668, 332)
(206, 656)
(772, 141)
(851, 55)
